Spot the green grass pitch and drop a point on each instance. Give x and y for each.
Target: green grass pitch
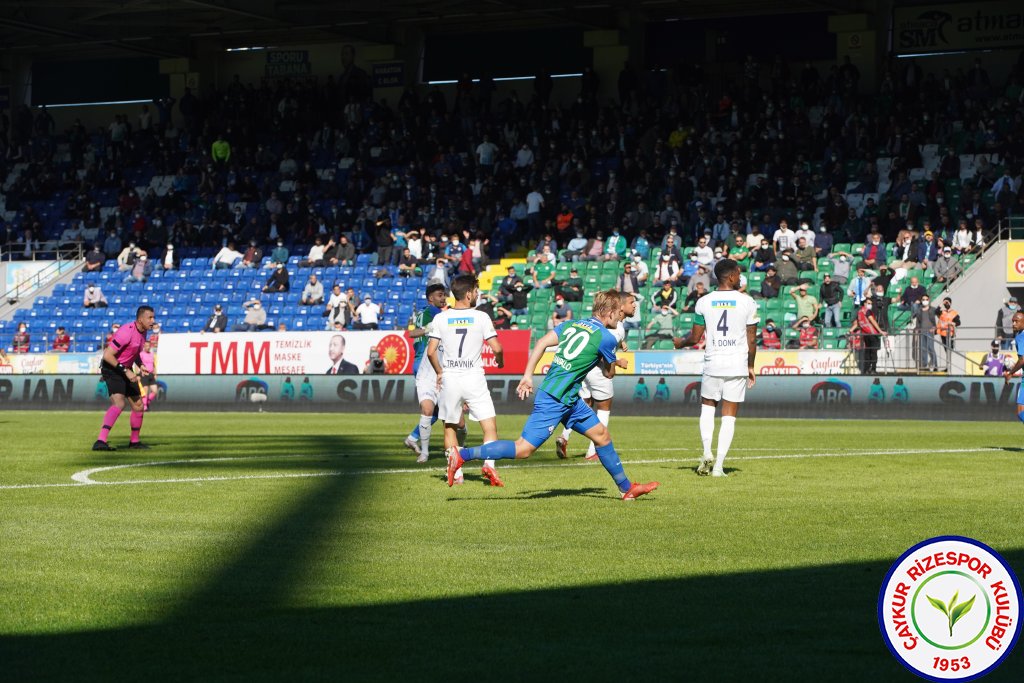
(311, 547)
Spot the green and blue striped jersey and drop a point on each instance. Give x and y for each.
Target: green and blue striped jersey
(581, 345)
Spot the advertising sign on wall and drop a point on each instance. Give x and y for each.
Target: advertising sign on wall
(967, 26)
(311, 353)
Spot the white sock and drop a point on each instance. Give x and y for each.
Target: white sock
(707, 428)
(425, 428)
(566, 433)
(725, 433)
(602, 416)
(488, 463)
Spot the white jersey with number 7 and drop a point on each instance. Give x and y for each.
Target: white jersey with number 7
(725, 316)
(462, 333)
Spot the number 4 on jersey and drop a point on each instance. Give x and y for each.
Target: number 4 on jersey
(723, 323)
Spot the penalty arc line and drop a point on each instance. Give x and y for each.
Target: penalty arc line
(84, 477)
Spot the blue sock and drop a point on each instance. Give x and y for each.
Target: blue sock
(496, 450)
(415, 434)
(610, 460)
(1020, 416)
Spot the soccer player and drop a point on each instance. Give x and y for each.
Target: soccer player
(462, 332)
(729, 318)
(418, 440)
(582, 344)
(597, 390)
(119, 357)
(1018, 342)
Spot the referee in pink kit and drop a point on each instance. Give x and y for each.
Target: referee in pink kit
(119, 357)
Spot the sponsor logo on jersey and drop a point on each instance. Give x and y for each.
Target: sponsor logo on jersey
(460, 322)
(727, 303)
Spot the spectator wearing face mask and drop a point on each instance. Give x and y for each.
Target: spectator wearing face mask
(94, 297)
(769, 336)
(927, 250)
(831, 294)
(255, 317)
(660, 327)
(572, 288)
(823, 242)
(949, 320)
(1004, 323)
(946, 267)
(518, 301)
(866, 326)
(689, 268)
(925, 321)
(771, 285)
(762, 258)
(841, 261)
(808, 336)
(576, 246)
(881, 303)
(667, 271)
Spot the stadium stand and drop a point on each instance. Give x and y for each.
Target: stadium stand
(706, 158)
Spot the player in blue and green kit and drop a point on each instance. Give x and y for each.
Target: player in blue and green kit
(1018, 344)
(418, 440)
(582, 344)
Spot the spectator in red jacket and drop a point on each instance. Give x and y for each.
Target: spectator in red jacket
(61, 341)
(808, 336)
(770, 336)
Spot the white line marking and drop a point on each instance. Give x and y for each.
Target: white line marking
(84, 477)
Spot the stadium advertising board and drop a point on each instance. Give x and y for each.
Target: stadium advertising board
(49, 363)
(1015, 262)
(766, 362)
(21, 277)
(311, 353)
(955, 27)
(651, 394)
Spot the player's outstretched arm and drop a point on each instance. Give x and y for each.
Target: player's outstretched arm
(692, 339)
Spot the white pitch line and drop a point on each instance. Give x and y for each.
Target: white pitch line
(84, 477)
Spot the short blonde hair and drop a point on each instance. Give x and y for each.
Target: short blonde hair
(606, 301)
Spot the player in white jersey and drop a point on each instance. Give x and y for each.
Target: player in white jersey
(597, 390)
(462, 331)
(729, 319)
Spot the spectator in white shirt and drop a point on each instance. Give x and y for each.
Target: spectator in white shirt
(94, 297)
(784, 238)
(316, 255)
(367, 315)
(640, 269)
(705, 254)
(415, 244)
(226, 257)
(337, 309)
(805, 232)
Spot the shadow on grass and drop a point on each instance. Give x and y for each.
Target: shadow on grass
(808, 624)
(563, 493)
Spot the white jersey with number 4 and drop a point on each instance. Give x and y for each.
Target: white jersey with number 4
(462, 333)
(725, 316)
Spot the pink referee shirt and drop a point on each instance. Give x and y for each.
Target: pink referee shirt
(127, 342)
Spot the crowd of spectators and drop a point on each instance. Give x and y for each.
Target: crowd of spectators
(435, 185)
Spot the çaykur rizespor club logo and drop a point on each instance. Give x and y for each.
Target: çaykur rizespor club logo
(949, 609)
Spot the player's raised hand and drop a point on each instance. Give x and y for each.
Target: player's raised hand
(751, 378)
(525, 388)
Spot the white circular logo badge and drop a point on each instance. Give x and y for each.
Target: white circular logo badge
(949, 609)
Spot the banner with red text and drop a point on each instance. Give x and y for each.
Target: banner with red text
(311, 353)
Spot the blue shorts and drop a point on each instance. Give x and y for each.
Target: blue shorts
(549, 413)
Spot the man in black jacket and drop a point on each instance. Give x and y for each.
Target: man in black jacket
(278, 280)
(218, 321)
(771, 285)
(831, 294)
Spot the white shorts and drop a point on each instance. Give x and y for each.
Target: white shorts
(732, 389)
(458, 389)
(426, 383)
(596, 386)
